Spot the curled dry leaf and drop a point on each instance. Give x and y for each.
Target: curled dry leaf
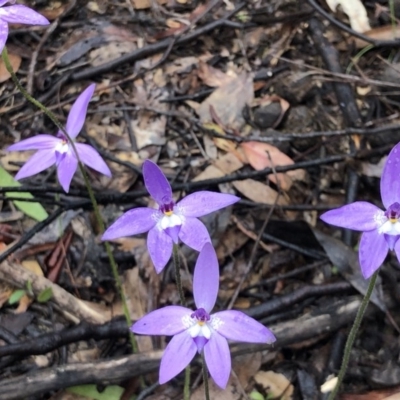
(356, 12)
(264, 155)
(277, 385)
(15, 61)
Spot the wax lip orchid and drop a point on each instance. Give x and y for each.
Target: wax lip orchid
(200, 331)
(58, 150)
(381, 229)
(171, 221)
(17, 14)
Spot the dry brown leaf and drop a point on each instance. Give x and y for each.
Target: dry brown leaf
(110, 52)
(264, 155)
(214, 77)
(386, 32)
(143, 4)
(11, 159)
(136, 296)
(228, 101)
(98, 7)
(15, 62)
(230, 242)
(356, 12)
(233, 391)
(33, 266)
(226, 164)
(276, 385)
(258, 192)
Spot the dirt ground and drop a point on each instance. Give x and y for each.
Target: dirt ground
(291, 105)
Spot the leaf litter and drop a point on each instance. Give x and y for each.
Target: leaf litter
(224, 106)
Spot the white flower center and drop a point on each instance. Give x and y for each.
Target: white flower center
(201, 328)
(62, 147)
(390, 227)
(169, 221)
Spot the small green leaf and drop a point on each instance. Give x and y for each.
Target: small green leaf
(112, 392)
(29, 288)
(33, 210)
(16, 296)
(254, 395)
(45, 295)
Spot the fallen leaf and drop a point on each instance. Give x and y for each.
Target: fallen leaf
(264, 155)
(258, 192)
(228, 102)
(356, 12)
(143, 4)
(387, 32)
(214, 77)
(276, 385)
(15, 62)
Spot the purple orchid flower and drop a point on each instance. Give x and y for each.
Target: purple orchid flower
(17, 14)
(381, 229)
(171, 221)
(199, 331)
(57, 149)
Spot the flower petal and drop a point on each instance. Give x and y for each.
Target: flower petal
(3, 34)
(20, 14)
(194, 234)
(77, 114)
(206, 278)
(360, 216)
(178, 354)
(156, 183)
(164, 321)
(235, 325)
(159, 245)
(90, 157)
(133, 222)
(39, 142)
(204, 202)
(218, 359)
(2, 2)
(397, 250)
(390, 183)
(391, 240)
(372, 253)
(66, 170)
(40, 161)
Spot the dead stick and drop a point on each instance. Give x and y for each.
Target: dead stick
(19, 276)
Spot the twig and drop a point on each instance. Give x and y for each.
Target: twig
(18, 275)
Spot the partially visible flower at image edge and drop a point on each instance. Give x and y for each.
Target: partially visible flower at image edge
(200, 331)
(17, 14)
(57, 149)
(170, 222)
(381, 229)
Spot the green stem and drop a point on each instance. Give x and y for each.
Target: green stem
(177, 267)
(352, 336)
(100, 222)
(205, 378)
(186, 387)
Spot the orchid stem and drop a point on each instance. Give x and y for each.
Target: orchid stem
(186, 387)
(177, 267)
(205, 377)
(100, 222)
(352, 336)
